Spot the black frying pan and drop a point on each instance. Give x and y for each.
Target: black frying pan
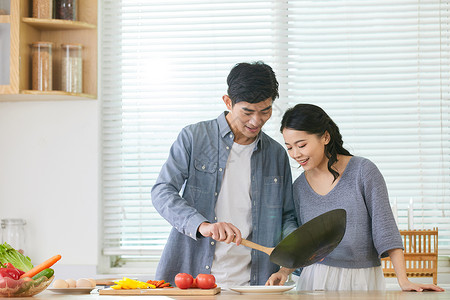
(309, 243)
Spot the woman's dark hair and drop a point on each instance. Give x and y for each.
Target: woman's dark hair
(314, 120)
(252, 82)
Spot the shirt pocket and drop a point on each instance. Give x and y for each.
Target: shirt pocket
(205, 166)
(204, 176)
(273, 191)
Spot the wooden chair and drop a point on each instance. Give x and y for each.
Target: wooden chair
(421, 253)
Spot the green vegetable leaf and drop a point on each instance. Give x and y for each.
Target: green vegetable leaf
(9, 255)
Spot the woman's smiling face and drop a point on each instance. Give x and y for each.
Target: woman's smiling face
(307, 149)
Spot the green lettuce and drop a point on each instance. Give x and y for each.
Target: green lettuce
(9, 255)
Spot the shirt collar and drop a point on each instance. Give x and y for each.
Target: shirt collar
(225, 129)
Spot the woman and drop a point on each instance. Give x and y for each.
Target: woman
(333, 178)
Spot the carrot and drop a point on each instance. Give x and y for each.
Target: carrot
(159, 283)
(167, 284)
(154, 282)
(46, 264)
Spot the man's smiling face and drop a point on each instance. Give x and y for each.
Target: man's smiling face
(247, 119)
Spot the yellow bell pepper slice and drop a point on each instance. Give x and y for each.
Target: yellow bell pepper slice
(127, 283)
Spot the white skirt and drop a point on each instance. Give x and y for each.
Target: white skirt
(322, 277)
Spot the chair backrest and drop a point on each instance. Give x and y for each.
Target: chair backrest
(420, 241)
(421, 253)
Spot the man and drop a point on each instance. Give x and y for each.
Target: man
(236, 183)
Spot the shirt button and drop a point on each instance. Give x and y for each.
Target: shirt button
(228, 148)
(220, 169)
(207, 267)
(215, 218)
(275, 180)
(215, 194)
(203, 167)
(212, 243)
(231, 136)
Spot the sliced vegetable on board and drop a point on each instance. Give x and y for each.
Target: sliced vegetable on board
(127, 283)
(160, 283)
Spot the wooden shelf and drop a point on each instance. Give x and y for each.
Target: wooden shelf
(55, 24)
(57, 93)
(25, 30)
(31, 95)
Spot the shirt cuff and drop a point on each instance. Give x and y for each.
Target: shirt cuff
(193, 224)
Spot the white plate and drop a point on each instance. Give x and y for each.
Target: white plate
(259, 289)
(71, 290)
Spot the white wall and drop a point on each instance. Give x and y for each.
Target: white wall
(49, 176)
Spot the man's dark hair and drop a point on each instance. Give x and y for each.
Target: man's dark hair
(252, 82)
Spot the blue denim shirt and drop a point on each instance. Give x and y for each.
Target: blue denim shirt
(195, 166)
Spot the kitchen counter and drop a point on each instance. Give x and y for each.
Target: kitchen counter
(291, 295)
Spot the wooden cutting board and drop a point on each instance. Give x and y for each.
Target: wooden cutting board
(167, 292)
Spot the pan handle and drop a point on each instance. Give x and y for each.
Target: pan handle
(255, 246)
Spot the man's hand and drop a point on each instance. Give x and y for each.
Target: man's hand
(221, 231)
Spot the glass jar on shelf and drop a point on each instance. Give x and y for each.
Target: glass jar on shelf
(72, 68)
(41, 70)
(66, 9)
(42, 9)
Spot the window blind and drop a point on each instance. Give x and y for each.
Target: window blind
(164, 66)
(380, 69)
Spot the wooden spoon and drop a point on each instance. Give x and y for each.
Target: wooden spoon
(256, 246)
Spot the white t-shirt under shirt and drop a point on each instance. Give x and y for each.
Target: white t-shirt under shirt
(231, 264)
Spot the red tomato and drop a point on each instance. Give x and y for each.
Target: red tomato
(205, 281)
(184, 280)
